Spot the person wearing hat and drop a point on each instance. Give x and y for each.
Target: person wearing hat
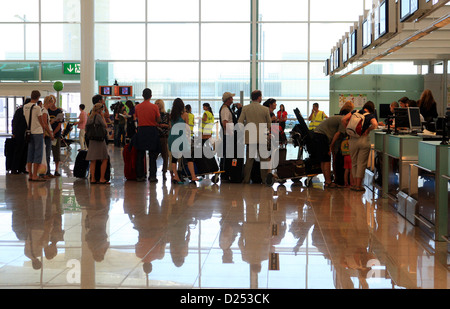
(227, 116)
(147, 136)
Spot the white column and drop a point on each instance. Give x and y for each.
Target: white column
(254, 47)
(87, 76)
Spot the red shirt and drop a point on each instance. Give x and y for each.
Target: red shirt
(281, 115)
(147, 114)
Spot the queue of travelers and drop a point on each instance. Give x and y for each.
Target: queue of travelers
(150, 128)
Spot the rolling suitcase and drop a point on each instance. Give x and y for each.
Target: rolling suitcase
(10, 144)
(206, 166)
(234, 169)
(81, 167)
(129, 159)
(256, 172)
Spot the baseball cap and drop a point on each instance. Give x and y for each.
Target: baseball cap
(227, 95)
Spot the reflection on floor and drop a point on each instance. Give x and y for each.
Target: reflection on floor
(67, 233)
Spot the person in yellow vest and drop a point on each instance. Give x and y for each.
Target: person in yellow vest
(191, 118)
(207, 122)
(316, 117)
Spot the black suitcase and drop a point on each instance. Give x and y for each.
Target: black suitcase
(234, 170)
(206, 166)
(255, 175)
(291, 169)
(81, 167)
(98, 166)
(10, 145)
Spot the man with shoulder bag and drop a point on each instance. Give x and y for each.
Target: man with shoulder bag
(35, 136)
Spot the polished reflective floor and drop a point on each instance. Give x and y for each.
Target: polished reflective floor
(67, 233)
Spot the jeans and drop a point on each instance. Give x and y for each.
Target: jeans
(152, 157)
(35, 148)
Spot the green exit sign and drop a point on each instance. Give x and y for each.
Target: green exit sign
(71, 68)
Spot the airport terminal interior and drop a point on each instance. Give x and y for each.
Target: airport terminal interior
(280, 233)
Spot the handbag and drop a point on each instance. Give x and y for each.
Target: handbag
(95, 131)
(28, 130)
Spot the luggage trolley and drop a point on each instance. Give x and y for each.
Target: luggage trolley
(203, 167)
(295, 170)
(65, 141)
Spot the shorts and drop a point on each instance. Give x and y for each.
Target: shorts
(35, 149)
(322, 147)
(56, 150)
(347, 162)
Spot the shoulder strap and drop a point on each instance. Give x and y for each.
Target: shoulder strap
(29, 122)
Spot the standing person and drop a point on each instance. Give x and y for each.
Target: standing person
(163, 130)
(48, 132)
(81, 123)
(427, 106)
(191, 118)
(36, 143)
(282, 117)
(207, 122)
(257, 114)
(360, 146)
(131, 125)
(348, 177)
(97, 150)
(56, 120)
(147, 136)
(271, 104)
(316, 117)
(19, 126)
(179, 116)
(121, 116)
(228, 116)
(116, 110)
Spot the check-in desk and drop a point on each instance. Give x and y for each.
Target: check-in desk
(394, 156)
(433, 189)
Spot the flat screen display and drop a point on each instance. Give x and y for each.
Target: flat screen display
(385, 111)
(367, 33)
(414, 118)
(353, 44)
(401, 117)
(106, 90)
(336, 58)
(383, 19)
(345, 50)
(407, 8)
(125, 91)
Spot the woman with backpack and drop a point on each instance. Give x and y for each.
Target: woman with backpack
(359, 124)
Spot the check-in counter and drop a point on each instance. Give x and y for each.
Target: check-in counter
(432, 198)
(396, 153)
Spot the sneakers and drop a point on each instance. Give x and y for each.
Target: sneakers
(57, 174)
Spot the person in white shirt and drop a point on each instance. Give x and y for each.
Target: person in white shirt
(36, 143)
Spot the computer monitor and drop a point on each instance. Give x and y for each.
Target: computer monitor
(414, 119)
(401, 117)
(385, 111)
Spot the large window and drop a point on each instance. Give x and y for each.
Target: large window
(37, 37)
